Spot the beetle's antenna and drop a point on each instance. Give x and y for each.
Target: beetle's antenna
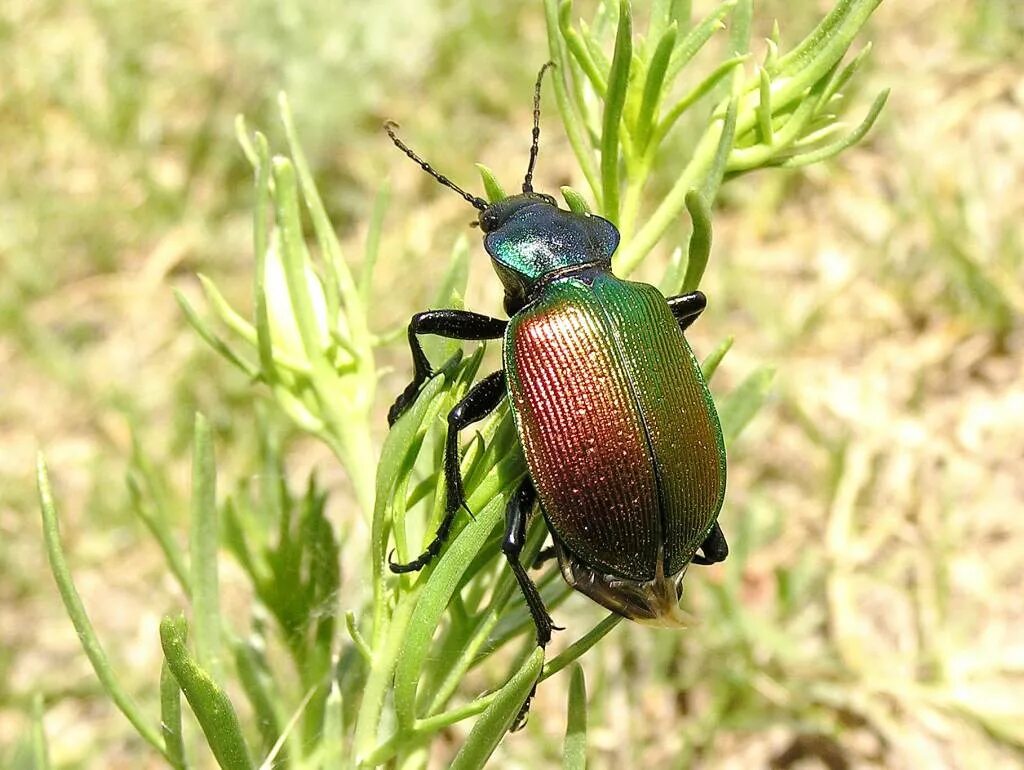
(474, 201)
(535, 145)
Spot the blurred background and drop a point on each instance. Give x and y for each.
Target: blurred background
(877, 620)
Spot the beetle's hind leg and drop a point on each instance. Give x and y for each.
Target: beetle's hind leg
(453, 324)
(714, 547)
(516, 514)
(687, 307)
(482, 399)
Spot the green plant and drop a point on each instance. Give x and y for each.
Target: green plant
(362, 692)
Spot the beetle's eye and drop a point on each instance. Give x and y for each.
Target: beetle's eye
(486, 221)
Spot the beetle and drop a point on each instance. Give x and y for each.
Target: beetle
(622, 441)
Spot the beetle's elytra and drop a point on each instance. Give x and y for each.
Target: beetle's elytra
(621, 438)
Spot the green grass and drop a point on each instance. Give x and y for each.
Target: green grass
(883, 295)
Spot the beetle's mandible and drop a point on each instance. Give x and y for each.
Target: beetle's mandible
(621, 438)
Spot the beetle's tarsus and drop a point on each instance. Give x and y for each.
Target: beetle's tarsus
(405, 399)
(431, 551)
(524, 711)
(482, 399)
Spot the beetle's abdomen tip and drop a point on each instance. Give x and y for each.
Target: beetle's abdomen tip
(650, 602)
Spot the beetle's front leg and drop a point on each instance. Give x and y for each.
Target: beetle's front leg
(482, 399)
(714, 547)
(453, 324)
(687, 307)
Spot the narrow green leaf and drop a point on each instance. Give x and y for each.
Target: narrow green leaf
(673, 276)
(210, 704)
(699, 91)
(227, 314)
(772, 44)
(758, 155)
(700, 240)
(260, 691)
(492, 187)
(326, 238)
(261, 242)
(491, 726)
(332, 743)
(696, 38)
(574, 754)
(659, 19)
(295, 257)
(575, 201)
(743, 403)
(157, 526)
(829, 150)
(170, 718)
(654, 87)
(764, 107)
(710, 364)
(742, 20)
(40, 749)
(581, 53)
(372, 251)
(827, 27)
(570, 111)
(80, 619)
(844, 75)
(357, 637)
(212, 339)
(618, 81)
(829, 43)
(204, 541)
(445, 577)
(456, 277)
(244, 140)
(713, 179)
(577, 649)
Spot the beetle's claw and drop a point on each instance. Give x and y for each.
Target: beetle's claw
(397, 410)
(401, 569)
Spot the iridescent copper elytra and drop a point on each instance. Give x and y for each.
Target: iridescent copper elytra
(620, 434)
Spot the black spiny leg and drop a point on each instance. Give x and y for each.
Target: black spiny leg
(516, 514)
(686, 307)
(482, 399)
(714, 547)
(453, 324)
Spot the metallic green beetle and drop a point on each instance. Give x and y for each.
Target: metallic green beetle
(621, 437)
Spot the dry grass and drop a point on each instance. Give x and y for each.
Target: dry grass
(887, 289)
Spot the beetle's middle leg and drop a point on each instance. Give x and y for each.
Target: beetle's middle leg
(450, 323)
(482, 399)
(714, 547)
(687, 307)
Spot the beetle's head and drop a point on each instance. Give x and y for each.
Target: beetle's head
(497, 214)
(530, 240)
(527, 236)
